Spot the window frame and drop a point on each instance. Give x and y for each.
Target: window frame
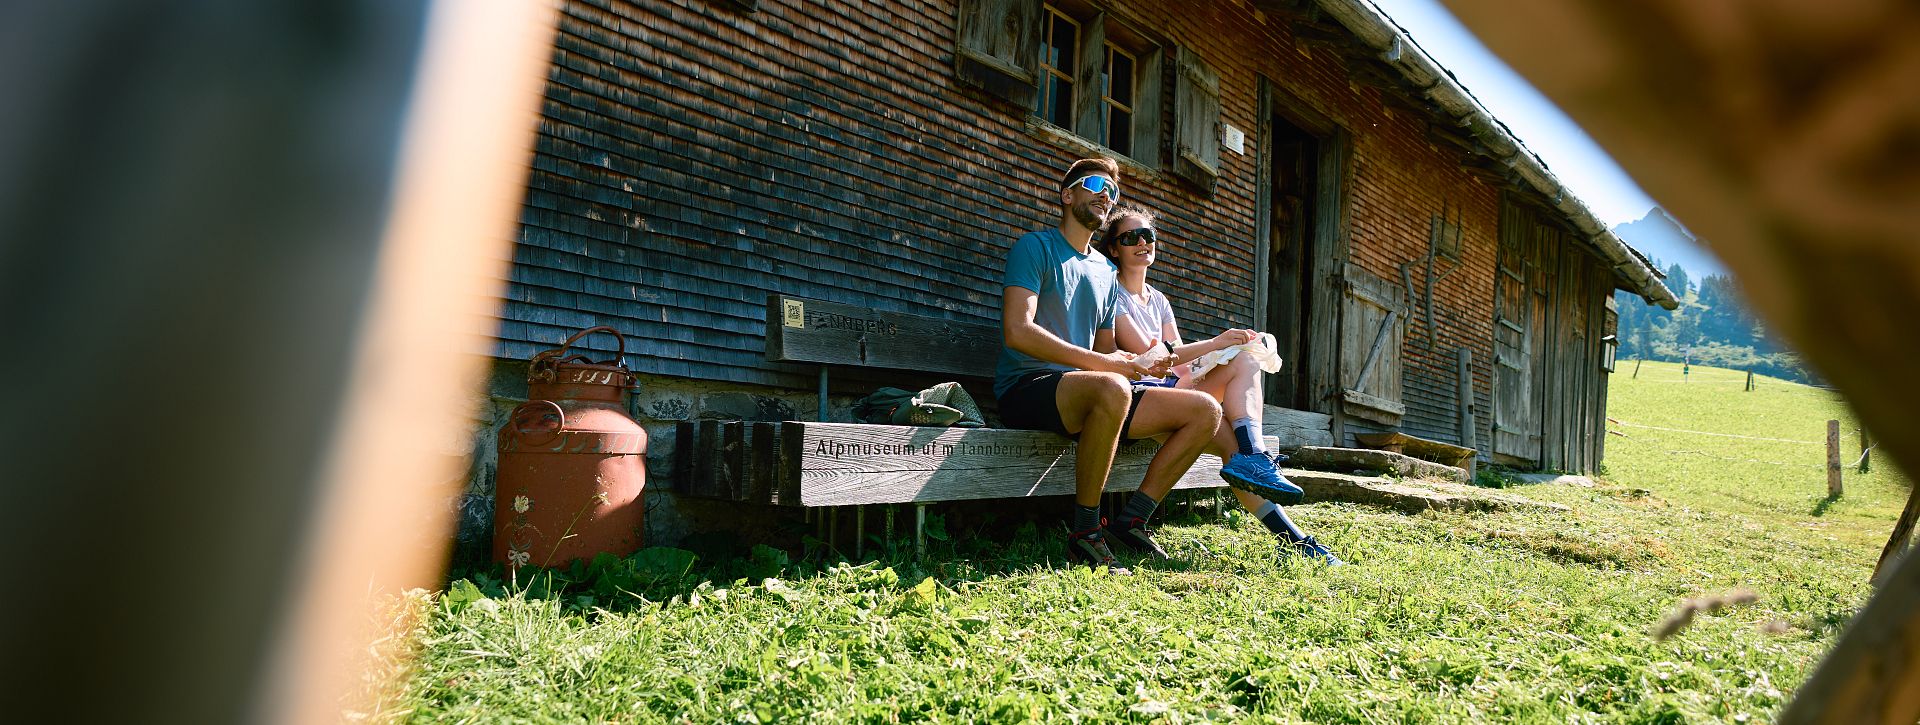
(1151, 86)
(1109, 104)
(1049, 72)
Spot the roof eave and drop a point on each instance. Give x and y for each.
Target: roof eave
(1398, 50)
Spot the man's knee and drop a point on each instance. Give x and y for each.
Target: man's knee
(1208, 408)
(1106, 393)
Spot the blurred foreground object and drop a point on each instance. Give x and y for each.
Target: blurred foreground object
(250, 253)
(1787, 136)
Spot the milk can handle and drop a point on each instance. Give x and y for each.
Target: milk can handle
(520, 417)
(618, 360)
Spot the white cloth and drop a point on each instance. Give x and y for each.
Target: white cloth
(1264, 349)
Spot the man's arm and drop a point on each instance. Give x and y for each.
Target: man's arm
(1104, 342)
(1017, 308)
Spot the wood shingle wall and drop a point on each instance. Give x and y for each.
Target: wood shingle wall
(692, 158)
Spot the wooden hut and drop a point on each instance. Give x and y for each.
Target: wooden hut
(1317, 175)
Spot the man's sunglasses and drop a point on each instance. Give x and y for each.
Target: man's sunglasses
(1102, 185)
(1135, 237)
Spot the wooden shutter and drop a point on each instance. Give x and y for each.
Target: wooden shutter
(1090, 112)
(1196, 122)
(997, 48)
(1146, 109)
(1373, 326)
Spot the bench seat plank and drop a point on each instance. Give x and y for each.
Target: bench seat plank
(849, 463)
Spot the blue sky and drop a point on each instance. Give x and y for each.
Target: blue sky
(1569, 153)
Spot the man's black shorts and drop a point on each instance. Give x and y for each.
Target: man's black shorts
(1030, 404)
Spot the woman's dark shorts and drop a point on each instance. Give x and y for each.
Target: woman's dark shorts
(1030, 404)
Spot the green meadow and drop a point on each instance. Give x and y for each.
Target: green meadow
(1524, 617)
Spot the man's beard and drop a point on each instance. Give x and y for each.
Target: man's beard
(1087, 217)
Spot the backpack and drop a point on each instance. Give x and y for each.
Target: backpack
(943, 405)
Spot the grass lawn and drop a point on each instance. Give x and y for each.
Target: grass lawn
(1440, 617)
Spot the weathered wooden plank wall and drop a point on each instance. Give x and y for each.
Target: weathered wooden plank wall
(692, 158)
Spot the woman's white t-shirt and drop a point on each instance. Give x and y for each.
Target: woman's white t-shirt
(1151, 317)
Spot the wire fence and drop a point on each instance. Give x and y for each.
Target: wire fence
(1709, 433)
(1855, 464)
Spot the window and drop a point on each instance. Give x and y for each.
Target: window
(1060, 48)
(1090, 81)
(1099, 84)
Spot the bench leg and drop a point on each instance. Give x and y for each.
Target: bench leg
(823, 393)
(859, 532)
(1218, 509)
(919, 530)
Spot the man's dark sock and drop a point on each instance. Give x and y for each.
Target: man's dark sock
(1277, 522)
(1139, 506)
(1247, 436)
(1085, 518)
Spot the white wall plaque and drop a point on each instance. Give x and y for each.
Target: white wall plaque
(1234, 139)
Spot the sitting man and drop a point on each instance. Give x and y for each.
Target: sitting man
(1060, 370)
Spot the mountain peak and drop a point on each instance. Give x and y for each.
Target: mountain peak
(1662, 237)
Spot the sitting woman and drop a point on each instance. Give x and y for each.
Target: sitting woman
(1146, 321)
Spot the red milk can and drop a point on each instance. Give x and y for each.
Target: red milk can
(572, 464)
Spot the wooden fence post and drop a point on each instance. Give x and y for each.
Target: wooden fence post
(1463, 370)
(1866, 451)
(1833, 459)
(1749, 381)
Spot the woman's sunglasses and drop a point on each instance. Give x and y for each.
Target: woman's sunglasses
(1102, 185)
(1135, 237)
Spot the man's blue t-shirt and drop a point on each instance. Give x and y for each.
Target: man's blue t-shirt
(1078, 294)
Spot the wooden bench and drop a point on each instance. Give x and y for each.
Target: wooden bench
(823, 464)
(1446, 454)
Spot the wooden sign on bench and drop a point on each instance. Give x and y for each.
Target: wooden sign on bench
(846, 464)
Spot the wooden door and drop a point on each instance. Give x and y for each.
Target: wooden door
(1518, 314)
(1290, 264)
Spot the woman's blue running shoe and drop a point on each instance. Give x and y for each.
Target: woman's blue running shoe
(1257, 475)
